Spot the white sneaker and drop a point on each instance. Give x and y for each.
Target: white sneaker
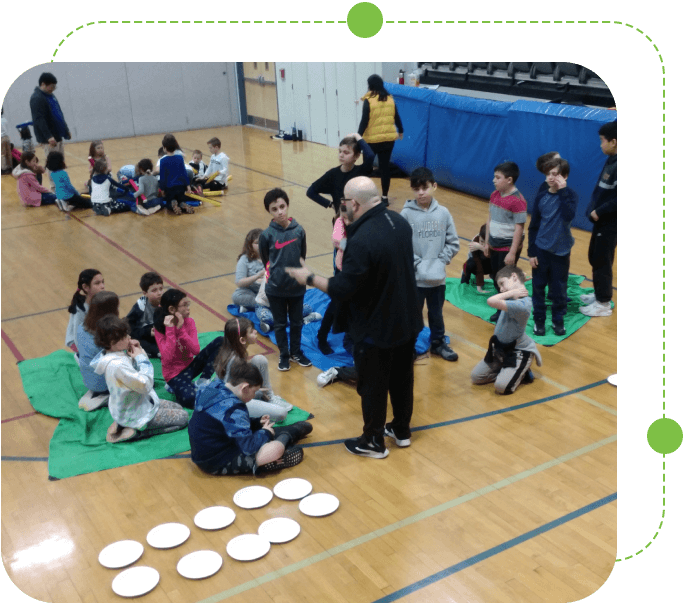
(142, 211)
(89, 402)
(76, 359)
(311, 317)
(61, 204)
(588, 298)
(68, 207)
(243, 309)
(168, 388)
(202, 381)
(281, 402)
(327, 377)
(597, 309)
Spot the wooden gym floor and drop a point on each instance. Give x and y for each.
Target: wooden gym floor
(487, 504)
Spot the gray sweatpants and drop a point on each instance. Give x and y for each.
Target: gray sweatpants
(506, 379)
(244, 297)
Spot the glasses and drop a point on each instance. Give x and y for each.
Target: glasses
(343, 203)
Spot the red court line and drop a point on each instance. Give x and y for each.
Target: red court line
(114, 244)
(12, 347)
(11, 419)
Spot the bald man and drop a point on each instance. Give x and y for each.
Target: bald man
(378, 308)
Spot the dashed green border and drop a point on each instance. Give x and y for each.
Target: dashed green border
(560, 22)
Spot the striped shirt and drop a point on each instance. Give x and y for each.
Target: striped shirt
(504, 214)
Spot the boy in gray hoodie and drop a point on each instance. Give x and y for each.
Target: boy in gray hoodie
(435, 243)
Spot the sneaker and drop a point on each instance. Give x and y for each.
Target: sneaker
(312, 317)
(243, 310)
(495, 317)
(76, 357)
(528, 378)
(360, 446)
(301, 359)
(69, 207)
(597, 309)
(202, 381)
(168, 388)
(101, 210)
(265, 327)
(291, 457)
(284, 362)
(327, 377)
(281, 402)
(442, 349)
(401, 442)
(539, 329)
(588, 298)
(61, 205)
(324, 347)
(88, 402)
(295, 431)
(142, 211)
(559, 329)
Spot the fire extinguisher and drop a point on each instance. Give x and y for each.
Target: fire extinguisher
(401, 76)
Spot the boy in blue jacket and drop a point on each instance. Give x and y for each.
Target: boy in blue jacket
(549, 245)
(223, 439)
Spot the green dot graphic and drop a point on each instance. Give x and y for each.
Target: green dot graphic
(664, 435)
(364, 20)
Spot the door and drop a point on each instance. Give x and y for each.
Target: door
(261, 99)
(317, 103)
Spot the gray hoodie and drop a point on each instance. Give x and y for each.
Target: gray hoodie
(435, 241)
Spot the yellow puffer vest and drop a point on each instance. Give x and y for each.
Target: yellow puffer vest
(381, 126)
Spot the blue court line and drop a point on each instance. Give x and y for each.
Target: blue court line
(409, 589)
(460, 420)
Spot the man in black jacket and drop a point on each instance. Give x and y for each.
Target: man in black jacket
(49, 124)
(378, 308)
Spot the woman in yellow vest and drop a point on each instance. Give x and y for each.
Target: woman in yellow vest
(380, 126)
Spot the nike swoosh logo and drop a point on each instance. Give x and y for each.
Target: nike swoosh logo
(280, 246)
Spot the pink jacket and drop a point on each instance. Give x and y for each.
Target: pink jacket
(177, 347)
(28, 187)
(339, 239)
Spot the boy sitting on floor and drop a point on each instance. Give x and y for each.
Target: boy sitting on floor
(141, 316)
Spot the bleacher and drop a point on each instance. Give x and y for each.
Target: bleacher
(567, 83)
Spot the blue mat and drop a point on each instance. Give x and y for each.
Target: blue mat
(319, 301)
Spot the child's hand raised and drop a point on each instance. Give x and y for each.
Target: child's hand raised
(179, 320)
(560, 182)
(520, 292)
(134, 348)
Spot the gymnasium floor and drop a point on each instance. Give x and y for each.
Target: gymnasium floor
(497, 499)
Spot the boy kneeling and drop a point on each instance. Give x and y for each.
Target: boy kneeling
(223, 440)
(510, 351)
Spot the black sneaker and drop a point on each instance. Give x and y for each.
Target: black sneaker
(539, 329)
(559, 329)
(401, 442)
(364, 448)
(495, 317)
(265, 327)
(284, 363)
(324, 347)
(301, 359)
(291, 457)
(442, 349)
(528, 378)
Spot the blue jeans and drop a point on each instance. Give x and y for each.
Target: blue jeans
(47, 199)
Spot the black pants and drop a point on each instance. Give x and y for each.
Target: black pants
(176, 192)
(552, 271)
(601, 256)
(213, 185)
(281, 308)
(79, 202)
(203, 365)
(434, 296)
(497, 262)
(384, 153)
(383, 371)
(479, 265)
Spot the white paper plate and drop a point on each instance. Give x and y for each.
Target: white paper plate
(248, 547)
(292, 488)
(199, 565)
(253, 497)
(120, 554)
(135, 581)
(612, 379)
(171, 534)
(214, 518)
(319, 504)
(279, 530)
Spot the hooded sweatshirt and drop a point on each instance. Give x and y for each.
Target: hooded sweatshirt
(435, 241)
(28, 187)
(132, 399)
(280, 248)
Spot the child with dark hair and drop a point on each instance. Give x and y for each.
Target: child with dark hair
(133, 403)
(249, 272)
(223, 438)
(141, 316)
(31, 192)
(505, 222)
(173, 177)
(510, 350)
(90, 282)
(435, 243)
(549, 244)
(68, 197)
(283, 245)
(181, 357)
(602, 211)
(477, 263)
(101, 185)
(103, 303)
(148, 187)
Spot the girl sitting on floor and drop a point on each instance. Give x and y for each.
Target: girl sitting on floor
(133, 403)
(90, 281)
(67, 196)
(239, 333)
(31, 192)
(96, 152)
(181, 358)
(249, 272)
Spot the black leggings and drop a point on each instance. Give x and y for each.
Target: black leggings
(79, 202)
(384, 153)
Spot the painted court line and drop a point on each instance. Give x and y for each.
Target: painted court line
(267, 578)
(13, 349)
(11, 419)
